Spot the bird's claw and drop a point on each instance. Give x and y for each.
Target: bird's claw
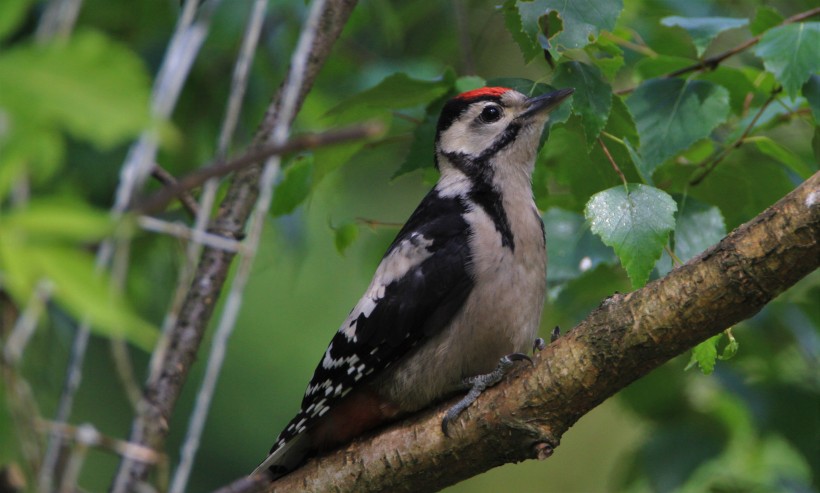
(478, 384)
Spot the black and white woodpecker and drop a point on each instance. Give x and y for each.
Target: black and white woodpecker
(459, 293)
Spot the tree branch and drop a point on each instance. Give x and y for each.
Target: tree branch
(151, 425)
(622, 340)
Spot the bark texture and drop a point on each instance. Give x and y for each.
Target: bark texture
(626, 337)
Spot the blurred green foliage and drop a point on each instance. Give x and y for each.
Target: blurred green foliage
(69, 110)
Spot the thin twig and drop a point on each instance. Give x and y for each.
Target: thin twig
(291, 90)
(639, 48)
(170, 370)
(613, 163)
(736, 144)
(58, 19)
(167, 179)
(221, 168)
(88, 435)
(239, 81)
(712, 62)
(180, 230)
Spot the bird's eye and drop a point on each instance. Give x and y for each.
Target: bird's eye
(490, 114)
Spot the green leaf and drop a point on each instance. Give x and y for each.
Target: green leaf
(736, 81)
(672, 114)
(468, 83)
(790, 54)
(82, 292)
(658, 66)
(765, 18)
(12, 13)
(572, 249)
(512, 19)
(294, 187)
(345, 235)
(703, 30)
(811, 91)
(89, 85)
(420, 155)
(636, 224)
(698, 226)
(582, 19)
(592, 99)
(782, 154)
(607, 56)
(395, 91)
(640, 164)
(705, 355)
(58, 220)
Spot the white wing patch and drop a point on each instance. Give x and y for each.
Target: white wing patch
(405, 256)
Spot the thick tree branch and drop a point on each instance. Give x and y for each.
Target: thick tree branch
(622, 340)
(150, 426)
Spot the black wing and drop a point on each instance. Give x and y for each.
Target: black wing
(420, 284)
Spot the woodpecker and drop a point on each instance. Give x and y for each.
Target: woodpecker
(458, 295)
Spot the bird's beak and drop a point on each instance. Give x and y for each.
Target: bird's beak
(545, 103)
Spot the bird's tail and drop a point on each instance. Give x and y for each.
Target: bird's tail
(285, 457)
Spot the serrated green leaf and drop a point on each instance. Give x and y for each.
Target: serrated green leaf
(703, 30)
(294, 187)
(607, 56)
(790, 53)
(58, 220)
(592, 100)
(730, 350)
(582, 20)
(345, 235)
(640, 164)
(782, 154)
(811, 91)
(765, 18)
(11, 15)
(636, 224)
(396, 91)
(672, 114)
(705, 355)
(512, 20)
(89, 86)
(420, 154)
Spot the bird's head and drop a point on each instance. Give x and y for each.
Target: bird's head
(478, 125)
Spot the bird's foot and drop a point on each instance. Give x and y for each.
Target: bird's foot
(479, 384)
(540, 343)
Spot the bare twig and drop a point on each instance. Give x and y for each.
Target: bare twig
(58, 19)
(239, 81)
(712, 62)
(168, 180)
(613, 163)
(253, 156)
(169, 372)
(712, 164)
(281, 129)
(180, 230)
